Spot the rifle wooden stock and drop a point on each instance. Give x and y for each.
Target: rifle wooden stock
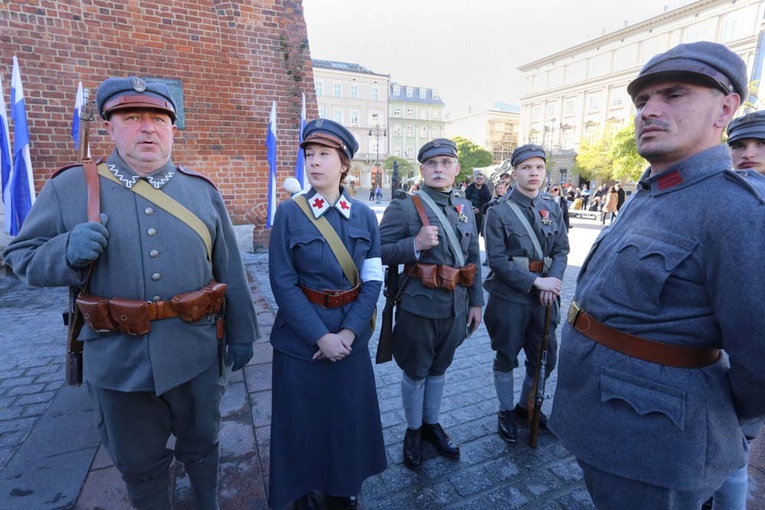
(73, 317)
(537, 394)
(385, 343)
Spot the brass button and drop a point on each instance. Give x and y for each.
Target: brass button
(156, 277)
(152, 232)
(149, 211)
(154, 254)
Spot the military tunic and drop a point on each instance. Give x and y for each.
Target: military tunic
(679, 265)
(434, 321)
(514, 317)
(325, 429)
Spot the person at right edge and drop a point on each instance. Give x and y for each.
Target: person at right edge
(645, 400)
(746, 140)
(525, 277)
(435, 314)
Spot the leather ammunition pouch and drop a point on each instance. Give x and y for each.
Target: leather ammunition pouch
(133, 317)
(444, 277)
(535, 266)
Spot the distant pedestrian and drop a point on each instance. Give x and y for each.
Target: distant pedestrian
(478, 193)
(610, 205)
(620, 196)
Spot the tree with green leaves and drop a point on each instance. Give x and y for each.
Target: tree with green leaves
(627, 163)
(470, 156)
(404, 167)
(593, 161)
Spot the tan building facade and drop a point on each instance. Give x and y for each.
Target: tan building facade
(580, 93)
(495, 129)
(357, 98)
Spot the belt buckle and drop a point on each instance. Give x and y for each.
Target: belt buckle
(573, 313)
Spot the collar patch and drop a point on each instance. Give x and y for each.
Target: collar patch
(670, 180)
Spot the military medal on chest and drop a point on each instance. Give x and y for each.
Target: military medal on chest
(461, 213)
(545, 214)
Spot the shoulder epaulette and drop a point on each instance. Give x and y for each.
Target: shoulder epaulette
(749, 180)
(196, 174)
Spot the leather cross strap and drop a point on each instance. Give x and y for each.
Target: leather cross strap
(679, 356)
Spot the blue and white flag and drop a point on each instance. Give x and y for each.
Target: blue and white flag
(22, 182)
(271, 149)
(300, 168)
(5, 159)
(76, 116)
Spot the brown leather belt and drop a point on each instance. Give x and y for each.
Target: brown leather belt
(536, 266)
(437, 276)
(680, 356)
(331, 298)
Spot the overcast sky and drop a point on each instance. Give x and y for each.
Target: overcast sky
(468, 50)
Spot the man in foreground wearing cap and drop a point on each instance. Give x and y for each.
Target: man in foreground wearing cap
(153, 358)
(527, 250)
(644, 399)
(433, 233)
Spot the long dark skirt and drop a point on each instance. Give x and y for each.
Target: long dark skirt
(325, 427)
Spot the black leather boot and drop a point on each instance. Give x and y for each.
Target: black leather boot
(412, 449)
(435, 434)
(306, 502)
(522, 415)
(343, 502)
(506, 427)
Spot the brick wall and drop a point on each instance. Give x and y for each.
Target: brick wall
(232, 58)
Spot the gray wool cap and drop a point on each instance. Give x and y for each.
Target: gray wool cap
(437, 147)
(710, 63)
(751, 125)
(525, 152)
(133, 92)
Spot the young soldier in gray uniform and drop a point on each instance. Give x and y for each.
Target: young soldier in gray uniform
(644, 399)
(443, 296)
(523, 281)
(150, 379)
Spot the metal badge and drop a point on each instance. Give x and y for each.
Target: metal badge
(319, 123)
(436, 143)
(138, 84)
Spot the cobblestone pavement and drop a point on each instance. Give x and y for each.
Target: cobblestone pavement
(50, 457)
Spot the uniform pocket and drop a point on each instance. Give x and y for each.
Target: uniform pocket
(644, 396)
(308, 246)
(641, 266)
(362, 241)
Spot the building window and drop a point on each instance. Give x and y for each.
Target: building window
(396, 90)
(436, 132)
(354, 91)
(319, 88)
(397, 151)
(410, 113)
(409, 153)
(322, 111)
(423, 93)
(436, 115)
(434, 95)
(536, 113)
(563, 175)
(397, 111)
(397, 130)
(568, 107)
(375, 93)
(617, 102)
(552, 111)
(730, 28)
(337, 90)
(424, 131)
(409, 130)
(354, 118)
(567, 139)
(593, 102)
(409, 92)
(337, 115)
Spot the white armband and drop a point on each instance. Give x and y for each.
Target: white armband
(372, 270)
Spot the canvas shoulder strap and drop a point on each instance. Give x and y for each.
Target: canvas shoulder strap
(525, 222)
(450, 234)
(167, 203)
(334, 241)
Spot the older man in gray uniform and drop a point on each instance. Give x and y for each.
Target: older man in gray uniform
(527, 249)
(434, 234)
(154, 368)
(645, 400)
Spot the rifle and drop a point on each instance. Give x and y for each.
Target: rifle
(385, 343)
(73, 317)
(537, 394)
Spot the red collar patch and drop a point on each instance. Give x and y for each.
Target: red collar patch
(669, 180)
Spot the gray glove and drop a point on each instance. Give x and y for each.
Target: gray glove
(86, 242)
(238, 355)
